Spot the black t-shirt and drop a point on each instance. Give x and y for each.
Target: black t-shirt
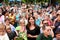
(11, 35)
(34, 32)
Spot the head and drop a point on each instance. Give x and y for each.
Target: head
(58, 33)
(31, 21)
(47, 17)
(22, 22)
(46, 30)
(2, 28)
(58, 17)
(7, 21)
(12, 12)
(8, 29)
(45, 23)
(36, 15)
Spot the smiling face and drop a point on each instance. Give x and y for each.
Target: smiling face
(22, 22)
(7, 22)
(2, 29)
(31, 20)
(47, 31)
(58, 36)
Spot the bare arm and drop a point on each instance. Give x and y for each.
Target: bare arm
(32, 36)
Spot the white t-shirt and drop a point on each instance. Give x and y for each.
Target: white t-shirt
(4, 37)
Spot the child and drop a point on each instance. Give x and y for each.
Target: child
(11, 35)
(3, 34)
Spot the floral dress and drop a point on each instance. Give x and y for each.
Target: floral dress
(21, 35)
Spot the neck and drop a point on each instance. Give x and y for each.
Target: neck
(2, 33)
(32, 24)
(45, 35)
(7, 24)
(22, 25)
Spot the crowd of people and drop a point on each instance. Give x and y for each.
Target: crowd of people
(29, 22)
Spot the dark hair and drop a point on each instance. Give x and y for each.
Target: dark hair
(29, 24)
(44, 24)
(57, 31)
(58, 15)
(44, 27)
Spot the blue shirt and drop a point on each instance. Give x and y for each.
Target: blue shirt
(38, 21)
(17, 17)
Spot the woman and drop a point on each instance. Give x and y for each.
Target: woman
(21, 30)
(32, 29)
(6, 14)
(12, 17)
(3, 34)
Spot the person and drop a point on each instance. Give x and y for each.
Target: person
(32, 29)
(6, 15)
(22, 30)
(46, 34)
(7, 23)
(57, 34)
(12, 17)
(38, 20)
(11, 34)
(45, 23)
(56, 23)
(1, 16)
(3, 34)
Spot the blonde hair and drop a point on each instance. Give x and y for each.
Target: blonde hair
(2, 26)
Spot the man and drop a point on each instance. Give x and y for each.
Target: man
(37, 19)
(46, 34)
(57, 34)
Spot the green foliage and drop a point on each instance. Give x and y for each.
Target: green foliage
(37, 1)
(6, 1)
(58, 1)
(31, 1)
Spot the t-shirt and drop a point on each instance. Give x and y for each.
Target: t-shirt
(17, 16)
(33, 32)
(11, 35)
(4, 37)
(42, 37)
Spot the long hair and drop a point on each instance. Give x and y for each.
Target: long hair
(29, 24)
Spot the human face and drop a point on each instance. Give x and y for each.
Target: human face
(22, 23)
(47, 31)
(7, 22)
(31, 20)
(45, 23)
(36, 15)
(58, 36)
(8, 30)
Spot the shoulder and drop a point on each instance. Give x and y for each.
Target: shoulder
(18, 28)
(39, 37)
(37, 27)
(50, 36)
